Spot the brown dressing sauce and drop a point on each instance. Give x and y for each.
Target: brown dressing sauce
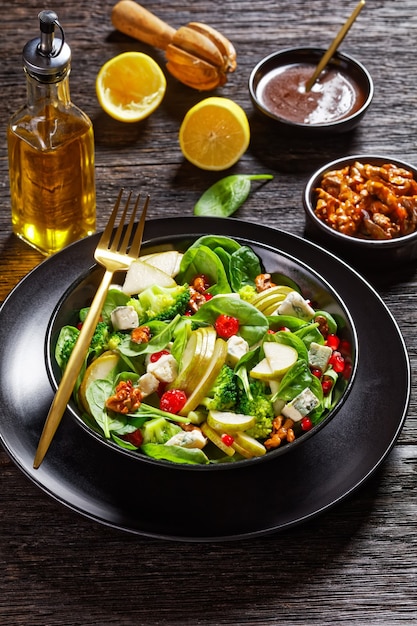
(334, 95)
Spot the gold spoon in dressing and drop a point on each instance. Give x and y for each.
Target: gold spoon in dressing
(334, 45)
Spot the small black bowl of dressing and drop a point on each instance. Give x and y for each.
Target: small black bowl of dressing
(336, 102)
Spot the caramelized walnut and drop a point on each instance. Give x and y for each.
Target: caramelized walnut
(263, 282)
(141, 334)
(281, 431)
(126, 398)
(368, 201)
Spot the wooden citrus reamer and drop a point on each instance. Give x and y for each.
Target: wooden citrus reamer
(197, 55)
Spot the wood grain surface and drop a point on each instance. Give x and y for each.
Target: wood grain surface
(355, 564)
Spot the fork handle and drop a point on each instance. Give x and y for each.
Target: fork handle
(72, 369)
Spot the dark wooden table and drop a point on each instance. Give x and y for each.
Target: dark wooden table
(356, 563)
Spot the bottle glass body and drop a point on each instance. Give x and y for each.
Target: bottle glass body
(51, 168)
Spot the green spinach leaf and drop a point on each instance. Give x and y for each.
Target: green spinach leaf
(114, 298)
(252, 323)
(226, 195)
(161, 334)
(175, 454)
(244, 268)
(203, 260)
(97, 394)
(216, 241)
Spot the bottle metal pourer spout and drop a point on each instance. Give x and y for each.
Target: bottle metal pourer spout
(47, 21)
(47, 58)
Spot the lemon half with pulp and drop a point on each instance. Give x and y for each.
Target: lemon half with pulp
(130, 86)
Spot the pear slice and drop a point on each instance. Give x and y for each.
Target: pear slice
(270, 307)
(262, 371)
(266, 299)
(207, 377)
(168, 261)
(280, 357)
(229, 422)
(279, 403)
(248, 446)
(216, 439)
(98, 369)
(195, 359)
(142, 275)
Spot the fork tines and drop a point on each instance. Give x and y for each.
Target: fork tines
(113, 238)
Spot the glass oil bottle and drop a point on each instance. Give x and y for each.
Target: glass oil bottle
(51, 150)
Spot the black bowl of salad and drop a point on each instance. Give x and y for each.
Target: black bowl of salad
(210, 353)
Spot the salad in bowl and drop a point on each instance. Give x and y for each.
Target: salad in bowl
(204, 356)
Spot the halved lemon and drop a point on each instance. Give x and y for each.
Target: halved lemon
(130, 86)
(214, 133)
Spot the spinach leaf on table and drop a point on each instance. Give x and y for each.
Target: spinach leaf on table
(226, 195)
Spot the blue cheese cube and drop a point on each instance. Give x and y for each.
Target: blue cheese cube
(301, 405)
(124, 318)
(236, 348)
(319, 355)
(165, 369)
(148, 383)
(188, 439)
(295, 305)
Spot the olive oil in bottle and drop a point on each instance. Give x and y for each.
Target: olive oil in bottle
(51, 150)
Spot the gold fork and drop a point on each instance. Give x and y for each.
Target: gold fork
(113, 256)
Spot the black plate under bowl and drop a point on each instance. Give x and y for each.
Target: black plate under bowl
(103, 485)
(313, 287)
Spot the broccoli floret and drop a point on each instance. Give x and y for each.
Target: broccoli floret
(223, 395)
(159, 430)
(114, 339)
(161, 303)
(66, 341)
(258, 404)
(134, 302)
(105, 338)
(247, 292)
(100, 337)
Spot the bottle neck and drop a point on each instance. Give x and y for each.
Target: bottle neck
(52, 93)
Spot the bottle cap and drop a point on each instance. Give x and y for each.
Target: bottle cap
(47, 58)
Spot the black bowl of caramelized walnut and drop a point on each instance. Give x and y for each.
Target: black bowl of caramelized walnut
(364, 208)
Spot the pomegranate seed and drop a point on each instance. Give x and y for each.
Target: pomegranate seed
(227, 439)
(226, 326)
(345, 347)
(207, 296)
(161, 388)
(327, 385)
(79, 325)
(337, 362)
(155, 356)
(285, 329)
(347, 371)
(306, 424)
(172, 401)
(270, 332)
(316, 371)
(135, 438)
(333, 341)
